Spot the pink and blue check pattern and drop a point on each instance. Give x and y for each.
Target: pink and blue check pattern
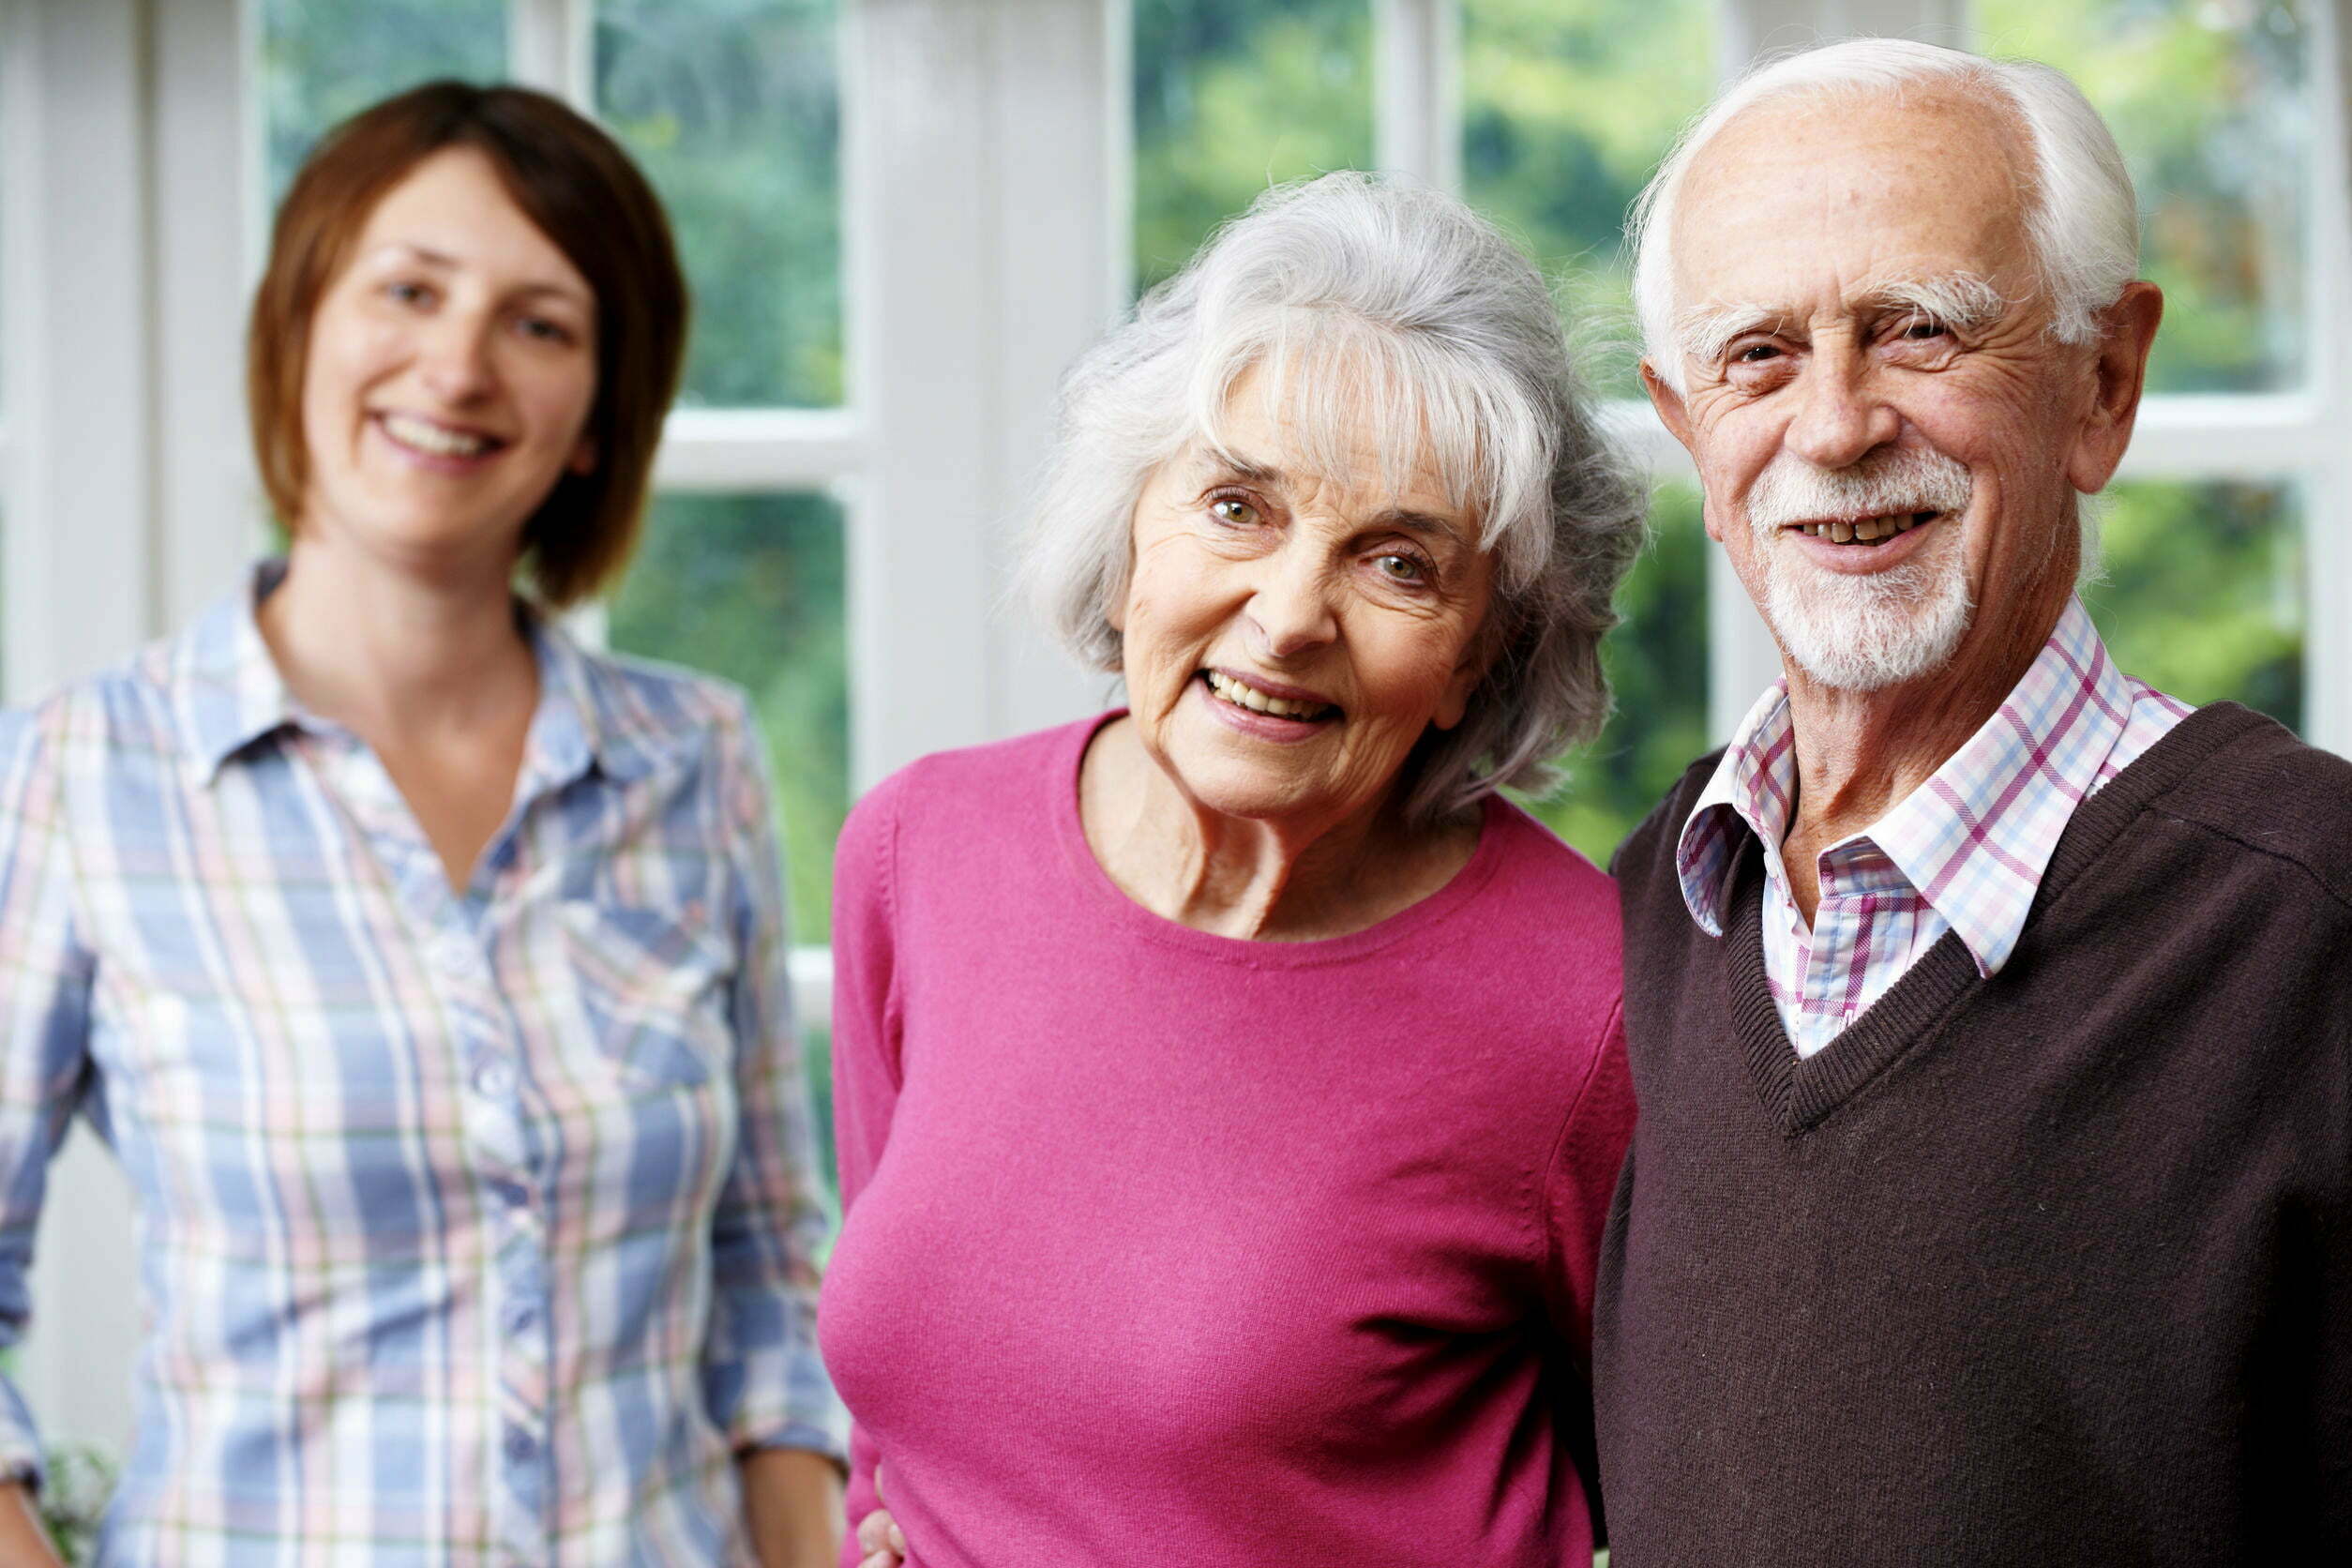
(479, 1226)
(1963, 852)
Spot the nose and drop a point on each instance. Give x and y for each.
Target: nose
(1840, 413)
(454, 358)
(1290, 607)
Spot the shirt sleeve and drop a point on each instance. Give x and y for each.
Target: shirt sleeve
(866, 1038)
(762, 1374)
(45, 980)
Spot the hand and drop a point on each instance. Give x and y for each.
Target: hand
(878, 1534)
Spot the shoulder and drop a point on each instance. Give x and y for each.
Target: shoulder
(1538, 871)
(998, 787)
(660, 705)
(2247, 782)
(141, 707)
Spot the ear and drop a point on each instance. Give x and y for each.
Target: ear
(1667, 402)
(1676, 416)
(2127, 329)
(583, 457)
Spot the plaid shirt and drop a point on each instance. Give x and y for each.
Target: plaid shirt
(477, 1228)
(1963, 852)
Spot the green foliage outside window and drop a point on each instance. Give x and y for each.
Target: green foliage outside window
(732, 108)
(1567, 106)
(2210, 101)
(1233, 96)
(321, 61)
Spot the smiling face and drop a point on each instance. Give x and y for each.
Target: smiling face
(1889, 440)
(451, 370)
(1289, 634)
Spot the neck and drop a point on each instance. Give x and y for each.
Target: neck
(383, 651)
(1270, 879)
(1860, 752)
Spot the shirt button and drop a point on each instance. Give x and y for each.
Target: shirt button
(453, 953)
(521, 1447)
(494, 1079)
(521, 1317)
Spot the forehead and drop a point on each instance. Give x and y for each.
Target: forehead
(1328, 418)
(1812, 200)
(454, 206)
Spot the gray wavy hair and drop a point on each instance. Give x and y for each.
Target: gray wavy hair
(1367, 297)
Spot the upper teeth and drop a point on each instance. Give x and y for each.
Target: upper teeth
(1864, 528)
(425, 435)
(1247, 696)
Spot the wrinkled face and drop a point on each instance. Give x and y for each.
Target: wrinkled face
(1889, 439)
(452, 366)
(1289, 634)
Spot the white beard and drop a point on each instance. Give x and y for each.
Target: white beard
(1863, 633)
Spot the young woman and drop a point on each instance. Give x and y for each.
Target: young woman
(425, 970)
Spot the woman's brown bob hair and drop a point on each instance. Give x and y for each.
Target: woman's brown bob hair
(581, 190)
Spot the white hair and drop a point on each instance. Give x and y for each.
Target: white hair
(1364, 298)
(2083, 223)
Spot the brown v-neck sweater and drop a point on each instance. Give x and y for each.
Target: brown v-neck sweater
(2053, 1268)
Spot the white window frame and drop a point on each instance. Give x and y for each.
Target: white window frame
(987, 206)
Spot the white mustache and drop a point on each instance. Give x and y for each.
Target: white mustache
(1888, 481)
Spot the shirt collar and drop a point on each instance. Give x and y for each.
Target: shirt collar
(1973, 839)
(229, 696)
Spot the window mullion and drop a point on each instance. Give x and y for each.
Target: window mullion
(550, 45)
(1417, 127)
(2327, 495)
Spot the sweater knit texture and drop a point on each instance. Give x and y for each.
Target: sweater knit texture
(1166, 1248)
(2050, 1267)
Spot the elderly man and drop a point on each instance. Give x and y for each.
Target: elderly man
(1990, 1013)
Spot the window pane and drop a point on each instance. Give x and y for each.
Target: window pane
(1566, 107)
(1232, 96)
(734, 108)
(749, 587)
(325, 60)
(1657, 665)
(2204, 591)
(2211, 101)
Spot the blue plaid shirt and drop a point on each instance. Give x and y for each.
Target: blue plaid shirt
(477, 1228)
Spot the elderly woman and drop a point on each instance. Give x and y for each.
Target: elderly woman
(425, 969)
(1229, 1087)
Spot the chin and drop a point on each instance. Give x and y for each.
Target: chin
(1869, 633)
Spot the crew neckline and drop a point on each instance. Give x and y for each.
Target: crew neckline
(1099, 891)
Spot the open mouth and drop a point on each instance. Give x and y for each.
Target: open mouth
(1297, 707)
(1865, 533)
(434, 440)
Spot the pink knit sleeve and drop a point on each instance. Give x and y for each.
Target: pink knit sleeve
(1592, 1143)
(866, 1033)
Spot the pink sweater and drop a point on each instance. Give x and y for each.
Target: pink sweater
(1174, 1249)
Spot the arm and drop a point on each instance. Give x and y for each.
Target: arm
(766, 1388)
(1578, 1193)
(866, 1041)
(45, 980)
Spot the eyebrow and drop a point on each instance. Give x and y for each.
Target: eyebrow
(1213, 462)
(1961, 299)
(442, 261)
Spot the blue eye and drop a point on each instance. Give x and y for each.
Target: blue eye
(543, 329)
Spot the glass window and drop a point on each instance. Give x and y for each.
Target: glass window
(2211, 101)
(1567, 105)
(749, 587)
(1657, 664)
(1232, 96)
(732, 107)
(322, 61)
(2202, 595)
